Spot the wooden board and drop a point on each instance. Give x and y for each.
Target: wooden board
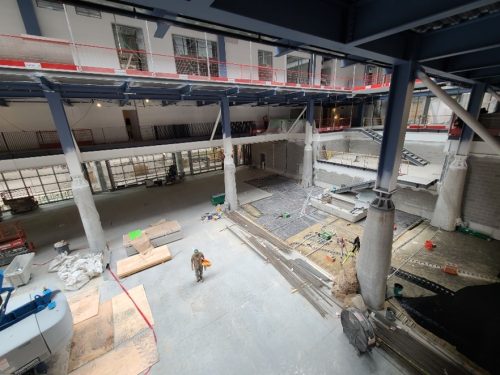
(84, 305)
(92, 338)
(126, 319)
(162, 229)
(137, 263)
(142, 244)
(131, 358)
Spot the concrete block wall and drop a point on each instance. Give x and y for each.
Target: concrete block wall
(481, 201)
(416, 202)
(281, 157)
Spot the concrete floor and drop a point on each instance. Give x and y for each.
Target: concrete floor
(243, 319)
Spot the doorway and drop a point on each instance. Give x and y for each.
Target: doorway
(132, 125)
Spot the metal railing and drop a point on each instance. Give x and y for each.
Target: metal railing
(25, 51)
(12, 143)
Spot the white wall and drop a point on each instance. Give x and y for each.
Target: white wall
(35, 116)
(10, 18)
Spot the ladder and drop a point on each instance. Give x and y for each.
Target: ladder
(406, 154)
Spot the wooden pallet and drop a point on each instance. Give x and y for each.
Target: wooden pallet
(140, 262)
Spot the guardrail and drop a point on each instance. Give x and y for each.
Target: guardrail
(13, 143)
(32, 52)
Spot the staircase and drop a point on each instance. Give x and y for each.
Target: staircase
(356, 187)
(406, 154)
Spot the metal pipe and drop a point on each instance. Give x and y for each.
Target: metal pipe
(460, 112)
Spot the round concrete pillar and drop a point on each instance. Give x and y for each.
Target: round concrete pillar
(374, 258)
(449, 203)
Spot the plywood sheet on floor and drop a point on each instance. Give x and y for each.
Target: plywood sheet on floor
(140, 262)
(84, 305)
(92, 337)
(126, 319)
(130, 358)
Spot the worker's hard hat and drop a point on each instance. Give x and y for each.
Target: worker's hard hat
(196, 251)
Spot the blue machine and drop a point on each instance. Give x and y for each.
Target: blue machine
(36, 327)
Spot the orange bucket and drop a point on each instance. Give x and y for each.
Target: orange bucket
(206, 263)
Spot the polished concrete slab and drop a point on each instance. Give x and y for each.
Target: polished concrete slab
(243, 319)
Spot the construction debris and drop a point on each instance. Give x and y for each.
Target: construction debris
(75, 270)
(345, 282)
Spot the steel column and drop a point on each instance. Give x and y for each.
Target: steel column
(374, 258)
(474, 108)
(79, 185)
(221, 49)
(27, 10)
(398, 109)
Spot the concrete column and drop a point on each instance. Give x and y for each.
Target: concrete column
(190, 159)
(229, 167)
(100, 176)
(376, 245)
(79, 185)
(307, 163)
(449, 203)
(179, 163)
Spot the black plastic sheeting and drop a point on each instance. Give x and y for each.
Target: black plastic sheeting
(469, 320)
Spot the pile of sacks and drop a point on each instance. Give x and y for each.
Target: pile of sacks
(345, 282)
(76, 270)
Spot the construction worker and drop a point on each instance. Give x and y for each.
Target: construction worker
(356, 244)
(196, 264)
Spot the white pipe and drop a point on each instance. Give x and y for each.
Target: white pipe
(297, 120)
(460, 112)
(215, 125)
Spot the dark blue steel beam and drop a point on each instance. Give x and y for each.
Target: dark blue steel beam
(267, 93)
(474, 108)
(326, 32)
(396, 119)
(378, 19)
(221, 50)
(60, 121)
(471, 61)
(225, 117)
(30, 21)
(481, 74)
(472, 36)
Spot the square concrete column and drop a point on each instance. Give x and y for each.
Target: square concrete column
(80, 187)
(229, 167)
(374, 257)
(307, 163)
(179, 163)
(451, 190)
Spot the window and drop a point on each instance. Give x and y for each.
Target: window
(297, 69)
(129, 42)
(265, 59)
(326, 75)
(192, 56)
(88, 12)
(50, 4)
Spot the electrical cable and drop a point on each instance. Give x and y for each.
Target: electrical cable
(137, 308)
